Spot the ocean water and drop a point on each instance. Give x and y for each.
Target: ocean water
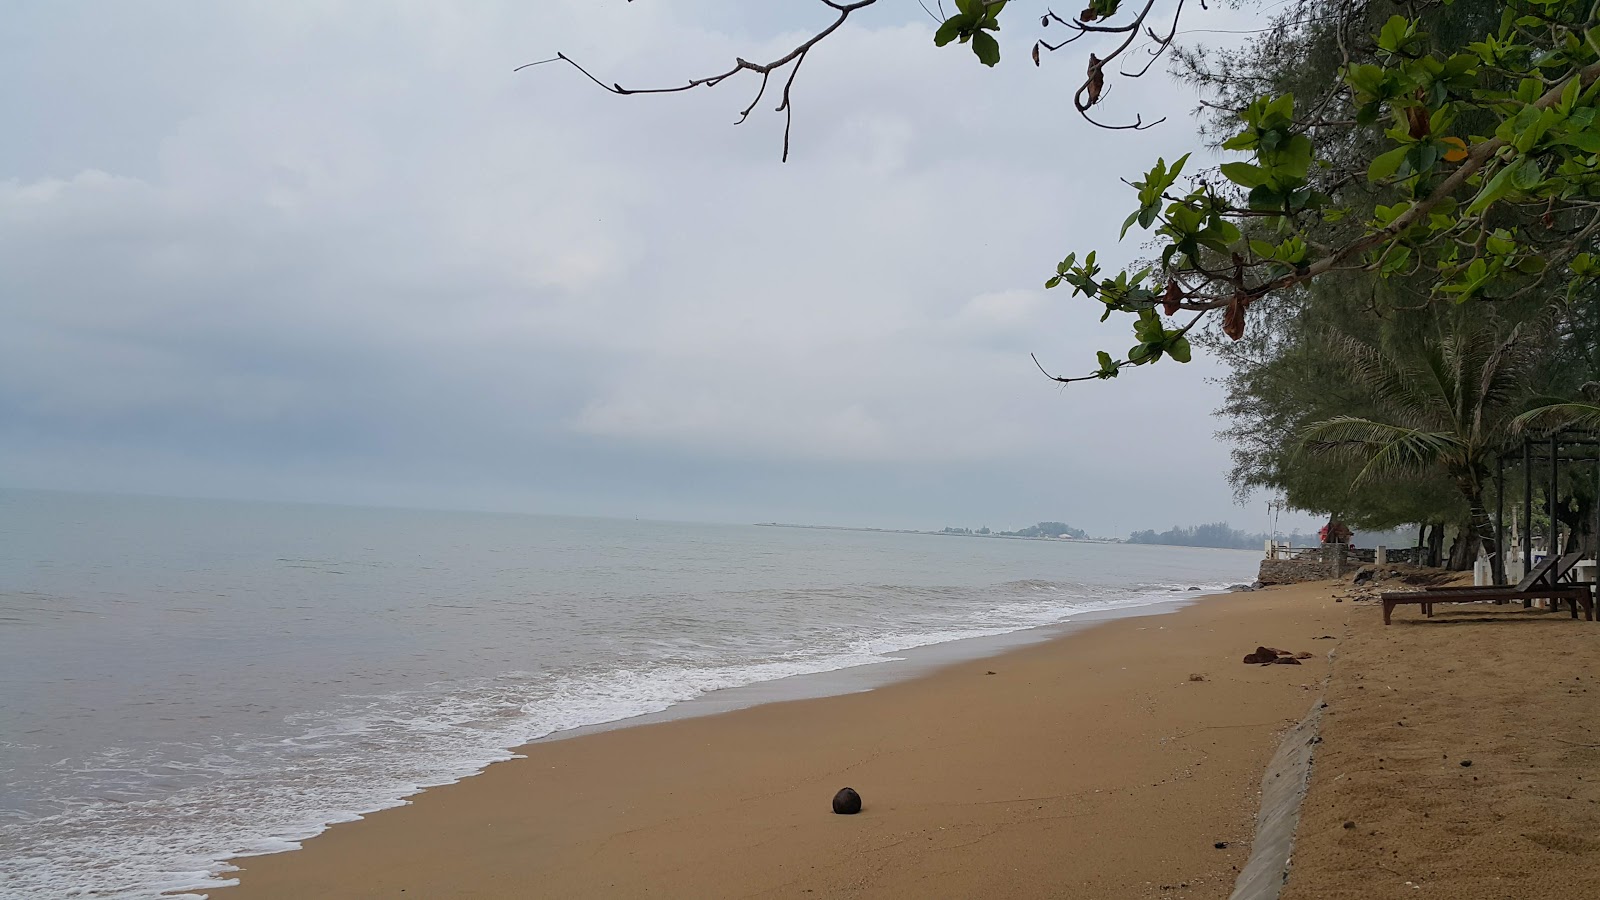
(182, 681)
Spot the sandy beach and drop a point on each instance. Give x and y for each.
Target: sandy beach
(1460, 758)
(1090, 766)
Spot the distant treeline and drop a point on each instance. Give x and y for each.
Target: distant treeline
(1214, 534)
(1049, 529)
(1043, 529)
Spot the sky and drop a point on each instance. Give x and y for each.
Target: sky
(341, 252)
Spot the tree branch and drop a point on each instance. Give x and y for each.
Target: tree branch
(796, 56)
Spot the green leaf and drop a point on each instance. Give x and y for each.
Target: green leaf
(1386, 164)
(1178, 349)
(1265, 199)
(1244, 174)
(1498, 186)
(1527, 177)
(951, 29)
(1243, 141)
(1128, 223)
(986, 48)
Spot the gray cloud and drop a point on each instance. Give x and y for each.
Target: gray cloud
(339, 251)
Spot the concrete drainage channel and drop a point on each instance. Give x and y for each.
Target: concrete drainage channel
(1283, 787)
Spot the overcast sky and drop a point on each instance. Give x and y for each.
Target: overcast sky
(339, 251)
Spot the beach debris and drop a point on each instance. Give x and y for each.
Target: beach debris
(1267, 656)
(1349, 824)
(1221, 845)
(1197, 677)
(847, 802)
(1466, 763)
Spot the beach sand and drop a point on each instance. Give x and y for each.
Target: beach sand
(1088, 766)
(1516, 694)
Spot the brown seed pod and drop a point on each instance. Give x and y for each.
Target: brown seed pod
(1233, 318)
(1170, 299)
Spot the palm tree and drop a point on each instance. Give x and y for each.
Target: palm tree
(1583, 415)
(1445, 407)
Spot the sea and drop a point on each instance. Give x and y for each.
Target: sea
(183, 682)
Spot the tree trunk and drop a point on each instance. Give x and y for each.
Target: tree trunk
(1464, 551)
(1435, 544)
(1481, 527)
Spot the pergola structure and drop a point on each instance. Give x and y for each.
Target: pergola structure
(1562, 448)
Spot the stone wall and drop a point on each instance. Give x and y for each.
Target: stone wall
(1294, 571)
(1330, 562)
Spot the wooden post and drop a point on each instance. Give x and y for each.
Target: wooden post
(1550, 501)
(1527, 511)
(1527, 506)
(1499, 560)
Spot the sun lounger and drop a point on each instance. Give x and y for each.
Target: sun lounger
(1542, 582)
(1549, 571)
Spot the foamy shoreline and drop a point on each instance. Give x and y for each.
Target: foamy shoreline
(897, 665)
(786, 741)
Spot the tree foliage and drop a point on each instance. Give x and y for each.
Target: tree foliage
(1485, 182)
(1213, 534)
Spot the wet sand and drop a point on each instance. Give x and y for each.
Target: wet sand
(1088, 766)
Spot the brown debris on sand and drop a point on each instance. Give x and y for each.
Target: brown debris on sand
(1270, 656)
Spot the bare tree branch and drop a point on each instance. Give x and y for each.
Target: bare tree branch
(795, 56)
(1089, 93)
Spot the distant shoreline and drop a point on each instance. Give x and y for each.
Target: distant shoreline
(1009, 537)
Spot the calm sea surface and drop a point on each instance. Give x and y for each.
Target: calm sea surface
(185, 681)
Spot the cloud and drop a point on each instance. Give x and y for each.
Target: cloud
(339, 250)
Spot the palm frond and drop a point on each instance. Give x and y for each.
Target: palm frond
(1506, 369)
(1390, 382)
(1387, 449)
(1554, 416)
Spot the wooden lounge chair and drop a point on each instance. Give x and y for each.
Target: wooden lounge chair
(1542, 581)
(1549, 571)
